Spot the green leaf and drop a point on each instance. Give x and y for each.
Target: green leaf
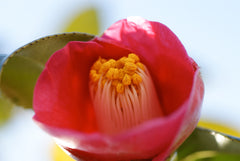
(21, 69)
(209, 145)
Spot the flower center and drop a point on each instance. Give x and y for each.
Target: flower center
(123, 94)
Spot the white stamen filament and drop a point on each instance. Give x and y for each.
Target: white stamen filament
(116, 112)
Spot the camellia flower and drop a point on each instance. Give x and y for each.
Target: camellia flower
(131, 94)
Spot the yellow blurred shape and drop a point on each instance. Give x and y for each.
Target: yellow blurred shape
(60, 155)
(219, 127)
(86, 21)
(5, 109)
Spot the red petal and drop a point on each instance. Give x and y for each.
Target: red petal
(145, 141)
(190, 116)
(61, 95)
(162, 52)
(63, 106)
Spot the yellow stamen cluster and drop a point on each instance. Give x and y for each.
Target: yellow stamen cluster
(121, 72)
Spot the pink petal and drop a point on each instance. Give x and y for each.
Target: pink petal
(63, 107)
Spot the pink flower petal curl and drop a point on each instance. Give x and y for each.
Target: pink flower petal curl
(63, 106)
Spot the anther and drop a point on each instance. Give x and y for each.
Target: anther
(136, 79)
(126, 80)
(134, 57)
(120, 88)
(97, 65)
(123, 93)
(104, 68)
(130, 68)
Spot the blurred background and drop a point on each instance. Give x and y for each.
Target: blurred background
(209, 30)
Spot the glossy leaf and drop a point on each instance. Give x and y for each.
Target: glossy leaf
(21, 69)
(209, 145)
